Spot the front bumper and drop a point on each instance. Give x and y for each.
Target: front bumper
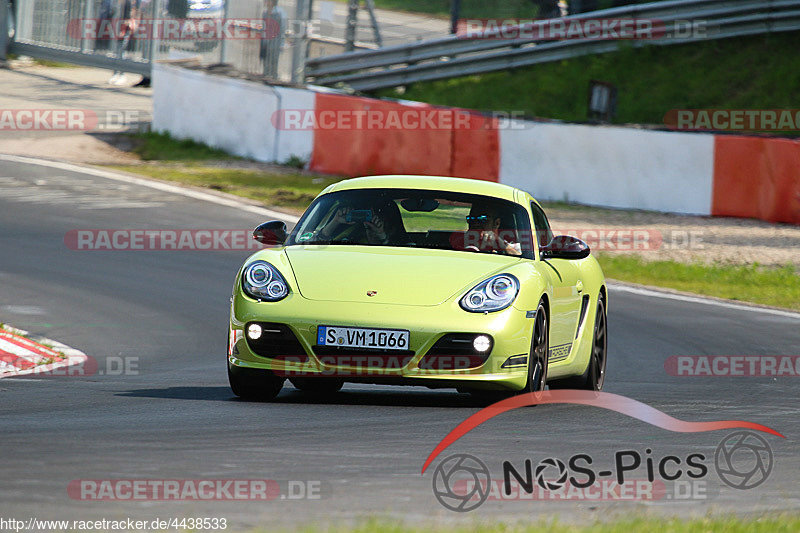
(510, 329)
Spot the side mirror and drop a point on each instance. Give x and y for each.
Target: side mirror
(272, 233)
(564, 247)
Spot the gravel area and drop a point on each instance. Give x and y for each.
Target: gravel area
(680, 237)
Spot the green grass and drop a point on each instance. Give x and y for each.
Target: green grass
(54, 64)
(288, 190)
(772, 523)
(153, 146)
(751, 72)
(444, 218)
(193, 163)
(777, 287)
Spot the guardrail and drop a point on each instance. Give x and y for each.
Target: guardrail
(455, 56)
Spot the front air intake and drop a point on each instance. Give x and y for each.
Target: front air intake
(457, 351)
(276, 341)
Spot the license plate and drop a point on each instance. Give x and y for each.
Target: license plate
(384, 339)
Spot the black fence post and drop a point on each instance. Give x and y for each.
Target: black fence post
(4, 29)
(455, 12)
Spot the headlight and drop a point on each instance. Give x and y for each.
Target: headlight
(494, 294)
(262, 281)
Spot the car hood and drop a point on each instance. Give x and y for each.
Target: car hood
(404, 276)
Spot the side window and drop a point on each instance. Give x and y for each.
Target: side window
(543, 232)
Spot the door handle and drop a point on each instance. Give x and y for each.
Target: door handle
(579, 286)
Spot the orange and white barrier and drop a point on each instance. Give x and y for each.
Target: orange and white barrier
(757, 177)
(403, 138)
(611, 166)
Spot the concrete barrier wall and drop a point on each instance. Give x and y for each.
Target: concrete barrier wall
(691, 173)
(230, 114)
(610, 166)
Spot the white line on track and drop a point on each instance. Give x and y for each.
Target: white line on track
(174, 189)
(700, 300)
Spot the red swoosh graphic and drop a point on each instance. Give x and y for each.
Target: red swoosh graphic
(605, 400)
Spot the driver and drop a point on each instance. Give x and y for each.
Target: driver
(483, 233)
(378, 225)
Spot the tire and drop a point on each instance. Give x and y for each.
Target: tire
(254, 385)
(539, 355)
(537, 361)
(318, 385)
(594, 376)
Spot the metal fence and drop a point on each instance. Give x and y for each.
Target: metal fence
(51, 29)
(74, 31)
(456, 56)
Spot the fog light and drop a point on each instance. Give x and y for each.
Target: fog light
(481, 343)
(254, 331)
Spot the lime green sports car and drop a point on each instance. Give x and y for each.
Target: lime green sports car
(418, 280)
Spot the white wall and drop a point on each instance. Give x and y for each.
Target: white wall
(230, 114)
(610, 166)
(295, 142)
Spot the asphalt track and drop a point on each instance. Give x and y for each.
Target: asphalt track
(176, 418)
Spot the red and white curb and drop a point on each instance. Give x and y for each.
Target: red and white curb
(24, 355)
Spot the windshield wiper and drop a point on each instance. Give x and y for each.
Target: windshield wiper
(326, 242)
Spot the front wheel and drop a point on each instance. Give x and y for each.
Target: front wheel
(538, 359)
(254, 385)
(539, 355)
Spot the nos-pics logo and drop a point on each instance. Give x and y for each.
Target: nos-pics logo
(461, 482)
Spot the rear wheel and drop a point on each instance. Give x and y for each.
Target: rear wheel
(318, 385)
(254, 385)
(595, 374)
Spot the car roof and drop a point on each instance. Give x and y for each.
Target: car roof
(435, 183)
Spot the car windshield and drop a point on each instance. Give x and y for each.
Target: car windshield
(410, 218)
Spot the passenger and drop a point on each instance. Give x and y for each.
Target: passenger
(483, 233)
